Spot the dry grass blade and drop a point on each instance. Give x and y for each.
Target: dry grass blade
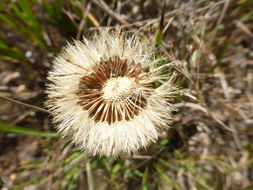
(110, 12)
(25, 104)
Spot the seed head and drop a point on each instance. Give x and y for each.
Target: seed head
(102, 94)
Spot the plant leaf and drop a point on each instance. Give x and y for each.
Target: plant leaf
(7, 128)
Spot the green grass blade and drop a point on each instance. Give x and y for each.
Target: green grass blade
(36, 181)
(116, 168)
(158, 37)
(9, 21)
(70, 178)
(12, 52)
(7, 128)
(72, 157)
(167, 178)
(32, 22)
(20, 17)
(144, 183)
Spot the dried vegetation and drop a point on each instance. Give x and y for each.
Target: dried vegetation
(210, 144)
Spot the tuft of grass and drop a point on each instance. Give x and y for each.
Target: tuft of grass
(20, 18)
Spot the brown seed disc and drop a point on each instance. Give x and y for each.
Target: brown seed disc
(123, 106)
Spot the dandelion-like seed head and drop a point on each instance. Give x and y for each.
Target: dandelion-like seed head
(102, 95)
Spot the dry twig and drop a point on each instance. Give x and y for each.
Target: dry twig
(25, 104)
